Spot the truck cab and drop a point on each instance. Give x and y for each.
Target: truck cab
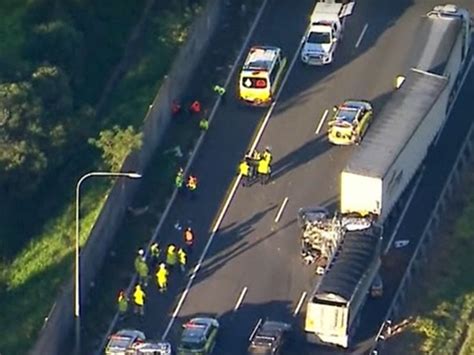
(324, 32)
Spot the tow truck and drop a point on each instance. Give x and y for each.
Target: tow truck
(324, 32)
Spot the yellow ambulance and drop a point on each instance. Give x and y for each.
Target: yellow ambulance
(261, 75)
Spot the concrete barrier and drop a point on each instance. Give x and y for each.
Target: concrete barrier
(59, 322)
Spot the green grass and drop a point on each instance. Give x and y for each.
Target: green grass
(30, 281)
(442, 305)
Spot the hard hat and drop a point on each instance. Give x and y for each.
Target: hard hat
(268, 148)
(162, 265)
(140, 252)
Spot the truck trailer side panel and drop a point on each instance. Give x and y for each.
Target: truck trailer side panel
(360, 193)
(399, 138)
(412, 154)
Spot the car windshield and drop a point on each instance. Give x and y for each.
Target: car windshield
(192, 345)
(347, 114)
(119, 342)
(319, 38)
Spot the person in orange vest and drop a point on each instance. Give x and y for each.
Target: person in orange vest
(195, 107)
(189, 239)
(192, 185)
(175, 108)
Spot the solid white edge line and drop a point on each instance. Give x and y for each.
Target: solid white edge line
(241, 298)
(300, 303)
(255, 329)
(321, 122)
(237, 181)
(402, 215)
(280, 211)
(361, 35)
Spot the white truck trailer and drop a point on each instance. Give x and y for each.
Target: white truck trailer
(402, 133)
(324, 32)
(333, 309)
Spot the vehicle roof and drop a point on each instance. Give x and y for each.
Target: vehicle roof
(358, 250)
(395, 124)
(433, 42)
(261, 58)
(124, 338)
(195, 329)
(349, 110)
(326, 11)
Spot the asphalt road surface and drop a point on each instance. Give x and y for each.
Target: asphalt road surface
(253, 269)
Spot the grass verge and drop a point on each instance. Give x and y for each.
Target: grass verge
(441, 306)
(30, 282)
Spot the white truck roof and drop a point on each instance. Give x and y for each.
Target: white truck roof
(330, 12)
(396, 123)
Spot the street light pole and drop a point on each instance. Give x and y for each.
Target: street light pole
(77, 295)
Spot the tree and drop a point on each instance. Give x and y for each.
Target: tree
(59, 43)
(116, 144)
(51, 84)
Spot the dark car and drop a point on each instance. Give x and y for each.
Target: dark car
(269, 337)
(198, 337)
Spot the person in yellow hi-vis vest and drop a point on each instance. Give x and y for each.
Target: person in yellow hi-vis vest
(139, 300)
(263, 171)
(162, 277)
(171, 256)
(182, 258)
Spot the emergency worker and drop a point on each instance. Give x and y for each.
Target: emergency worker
(267, 155)
(189, 239)
(263, 171)
(195, 107)
(122, 303)
(162, 277)
(244, 170)
(139, 300)
(143, 271)
(175, 108)
(182, 258)
(203, 124)
(192, 185)
(154, 254)
(179, 179)
(171, 257)
(219, 90)
(138, 259)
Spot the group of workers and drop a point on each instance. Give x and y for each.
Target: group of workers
(195, 108)
(191, 182)
(256, 166)
(175, 256)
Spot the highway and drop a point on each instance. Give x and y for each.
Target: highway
(253, 268)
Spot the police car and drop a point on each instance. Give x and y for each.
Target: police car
(269, 337)
(261, 75)
(198, 337)
(122, 340)
(350, 122)
(133, 342)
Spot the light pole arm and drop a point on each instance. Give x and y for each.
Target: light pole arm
(77, 295)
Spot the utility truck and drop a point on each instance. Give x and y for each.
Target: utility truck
(324, 32)
(408, 126)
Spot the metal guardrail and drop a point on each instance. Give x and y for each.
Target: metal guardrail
(419, 256)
